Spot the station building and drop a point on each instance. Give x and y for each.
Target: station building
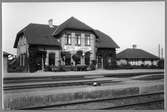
(50, 45)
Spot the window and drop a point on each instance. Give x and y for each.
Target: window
(78, 39)
(23, 59)
(20, 60)
(68, 39)
(51, 58)
(87, 40)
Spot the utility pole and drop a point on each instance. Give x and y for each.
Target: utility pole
(162, 53)
(159, 51)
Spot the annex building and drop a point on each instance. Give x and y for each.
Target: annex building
(70, 43)
(136, 57)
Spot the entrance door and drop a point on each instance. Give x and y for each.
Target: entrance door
(87, 60)
(51, 58)
(99, 62)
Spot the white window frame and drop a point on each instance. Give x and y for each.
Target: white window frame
(87, 40)
(68, 39)
(78, 39)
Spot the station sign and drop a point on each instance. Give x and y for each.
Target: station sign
(77, 48)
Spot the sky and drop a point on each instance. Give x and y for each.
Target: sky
(127, 23)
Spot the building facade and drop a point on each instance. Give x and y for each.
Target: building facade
(70, 43)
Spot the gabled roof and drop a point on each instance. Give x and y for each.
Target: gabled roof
(38, 34)
(105, 41)
(133, 53)
(72, 23)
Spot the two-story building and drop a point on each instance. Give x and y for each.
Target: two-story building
(41, 45)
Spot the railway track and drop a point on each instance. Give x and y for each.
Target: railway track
(114, 103)
(45, 82)
(140, 106)
(19, 83)
(57, 84)
(125, 102)
(31, 79)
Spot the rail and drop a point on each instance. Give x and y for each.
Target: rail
(141, 99)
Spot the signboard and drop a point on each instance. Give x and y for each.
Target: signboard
(77, 48)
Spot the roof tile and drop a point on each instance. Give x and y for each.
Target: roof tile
(40, 34)
(133, 53)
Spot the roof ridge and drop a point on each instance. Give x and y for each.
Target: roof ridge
(37, 30)
(106, 38)
(42, 24)
(148, 52)
(135, 52)
(65, 24)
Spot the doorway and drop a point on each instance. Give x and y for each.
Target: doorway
(99, 62)
(51, 58)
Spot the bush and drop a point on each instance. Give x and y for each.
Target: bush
(161, 64)
(47, 68)
(93, 65)
(20, 69)
(81, 68)
(79, 53)
(61, 68)
(76, 58)
(94, 62)
(15, 67)
(123, 66)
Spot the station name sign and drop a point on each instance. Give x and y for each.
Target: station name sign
(77, 48)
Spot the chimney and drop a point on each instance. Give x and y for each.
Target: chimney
(134, 46)
(50, 22)
(159, 51)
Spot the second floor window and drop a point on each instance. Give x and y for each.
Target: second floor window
(78, 39)
(87, 40)
(68, 39)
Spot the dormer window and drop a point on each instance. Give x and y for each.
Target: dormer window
(68, 39)
(78, 39)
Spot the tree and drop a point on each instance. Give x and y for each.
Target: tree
(161, 63)
(79, 53)
(65, 54)
(76, 57)
(66, 57)
(87, 54)
(87, 58)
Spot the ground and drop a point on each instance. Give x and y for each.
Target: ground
(99, 71)
(66, 85)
